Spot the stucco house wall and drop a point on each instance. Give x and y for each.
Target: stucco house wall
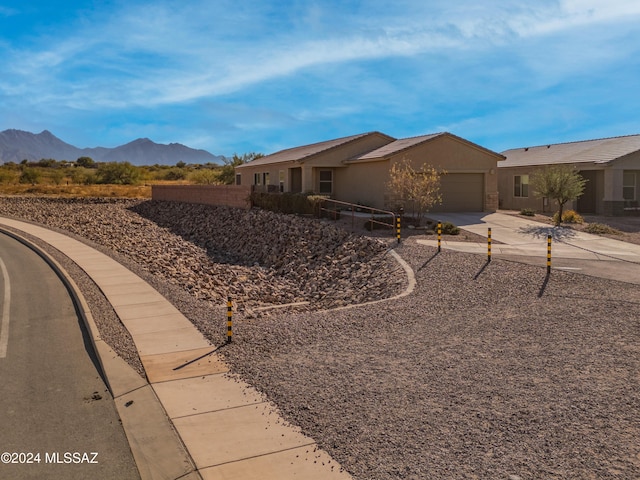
(611, 167)
(358, 169)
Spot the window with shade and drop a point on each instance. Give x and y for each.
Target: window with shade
(629, 186)
(326, 181)
(521, 186)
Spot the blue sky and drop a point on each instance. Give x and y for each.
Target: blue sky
(259, 76)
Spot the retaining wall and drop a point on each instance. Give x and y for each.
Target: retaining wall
(226, 195)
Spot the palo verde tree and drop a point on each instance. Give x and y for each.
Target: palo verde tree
(418, 188)
(561, 183)
(227, 174)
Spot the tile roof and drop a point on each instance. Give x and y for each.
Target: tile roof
(599, 151)
(395, 147)
(306, 151)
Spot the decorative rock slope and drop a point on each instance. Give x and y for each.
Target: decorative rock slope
(259, 258)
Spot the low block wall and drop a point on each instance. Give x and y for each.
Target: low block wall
(224, 195)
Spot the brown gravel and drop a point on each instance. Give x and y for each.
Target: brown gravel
(486, 371)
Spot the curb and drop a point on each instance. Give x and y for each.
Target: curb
(156, 446)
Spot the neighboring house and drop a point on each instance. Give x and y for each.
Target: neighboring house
(611, 167)
(356, 169)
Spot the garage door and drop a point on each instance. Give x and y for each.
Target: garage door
(461, 192)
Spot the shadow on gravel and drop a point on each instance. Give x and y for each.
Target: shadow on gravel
(544, 285)
(557, 233)
(486, 264)
(428, 261)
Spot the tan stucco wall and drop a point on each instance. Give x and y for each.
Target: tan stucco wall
(509, 202)
(327, 159)
(363, 183)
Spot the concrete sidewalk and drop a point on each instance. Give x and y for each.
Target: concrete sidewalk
(526, 240)
(190, 420)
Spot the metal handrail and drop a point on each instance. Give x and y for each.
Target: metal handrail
(353, 207)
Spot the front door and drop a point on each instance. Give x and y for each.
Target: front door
(295, 179)
(587, 201)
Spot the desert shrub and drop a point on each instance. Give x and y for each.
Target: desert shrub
(600, 229)
(205, 176)
(7, 176)
(569, 216)
(118, 173)
(30, 175)
(174, 173)
(283, 202)
(449, 228)
(529, 212)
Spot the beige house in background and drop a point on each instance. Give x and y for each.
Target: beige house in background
(611, 167)
(355, 169)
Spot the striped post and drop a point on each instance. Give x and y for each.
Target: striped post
(548, 253)
(398, 228)
(439, 236)
(489, 245)
(229, 320)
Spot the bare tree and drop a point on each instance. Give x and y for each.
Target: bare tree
(419, 189)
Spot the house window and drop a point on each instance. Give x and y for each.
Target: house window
(326, 181)
(629, 186)
(238, 179)
(521, 186)
(281, 174)
(257, 179)
(265, 178)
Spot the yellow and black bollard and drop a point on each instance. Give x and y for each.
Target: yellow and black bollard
(489, 245)
(548, 254)
(398, 228)
(229, 320)
(439, 236)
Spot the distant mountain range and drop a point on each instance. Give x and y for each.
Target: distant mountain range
(18, 145)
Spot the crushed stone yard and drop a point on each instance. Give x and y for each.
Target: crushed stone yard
(485, 371)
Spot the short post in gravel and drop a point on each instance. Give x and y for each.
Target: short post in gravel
(398, 228)
(548, 254)
(229, 320)
(439, 236)
(489, 245)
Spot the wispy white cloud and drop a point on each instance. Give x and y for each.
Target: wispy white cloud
(404, 56)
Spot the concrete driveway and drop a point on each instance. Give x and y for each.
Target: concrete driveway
(526, 241)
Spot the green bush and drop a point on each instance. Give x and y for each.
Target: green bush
(284, 202)
(118, 173)
(449, 228)
(601, 229)
(30, 175)
(174, 173)
(529, 212)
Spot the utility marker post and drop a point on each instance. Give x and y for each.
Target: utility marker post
(229, 320)
(489, 245)
(548, 254)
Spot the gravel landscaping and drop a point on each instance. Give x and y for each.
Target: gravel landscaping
(486, 371)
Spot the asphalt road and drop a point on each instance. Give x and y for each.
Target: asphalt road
(57, 417)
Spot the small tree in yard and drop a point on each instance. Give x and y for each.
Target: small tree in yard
(561, 183)
(419, 187)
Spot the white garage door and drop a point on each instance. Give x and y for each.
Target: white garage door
(461, 192)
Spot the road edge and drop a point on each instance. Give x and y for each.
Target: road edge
(157, 449)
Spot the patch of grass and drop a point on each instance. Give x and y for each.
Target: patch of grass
(528, 212)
